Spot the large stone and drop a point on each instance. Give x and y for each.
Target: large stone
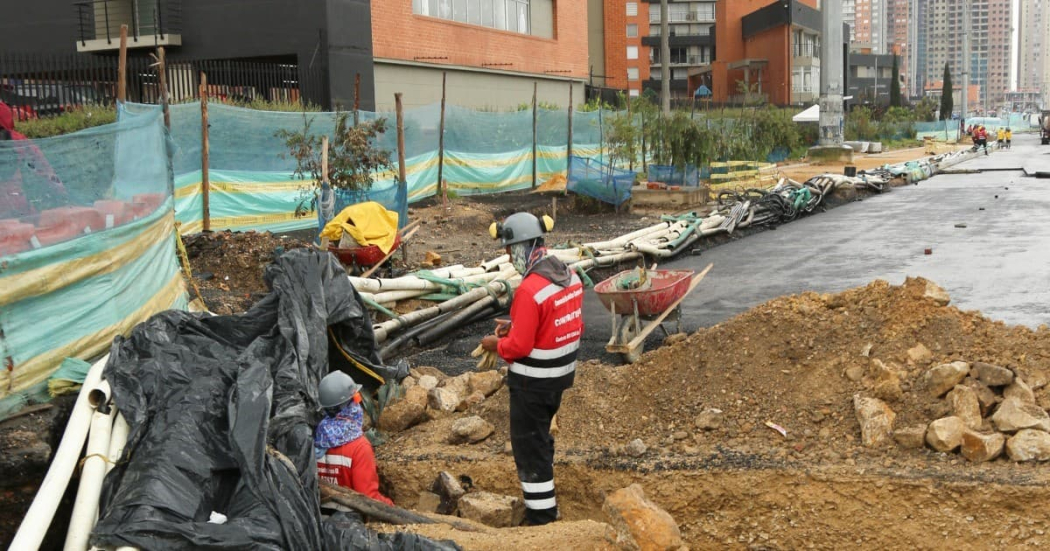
(875, 418)
(443, 399)
(428, 502)
(993, 375)
(920, 355)
(1014, 415)
(1029, 445)
(460, 384)
(709, 419)
(986, 397)
(942, 378)
(944, 435)
(636, 448)
(887, 383)
(448, 490)
(494, 510)
(485, 382)
(965, 406)
(434, 372)
(937, 294)
(641, 524)
(470, 430)
(910, 437)
(1019, 390)
(428, 382)
(979, 448)
(409, 410)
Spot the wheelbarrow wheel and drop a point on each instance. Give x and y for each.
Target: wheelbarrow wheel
(627, 334)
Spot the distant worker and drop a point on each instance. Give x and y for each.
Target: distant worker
(344, 455)
(1000, 138)
(1009, 137)
(540, 345)
(980, 139)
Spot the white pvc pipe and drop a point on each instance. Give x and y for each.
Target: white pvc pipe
(38, 519)
(495, 262)
(623, 240)
(409, 282)
(85, 507)
(118, 439)
(99, 395)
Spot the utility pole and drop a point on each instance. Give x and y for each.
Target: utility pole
(831, 80)
(966, 62)
(665, 61)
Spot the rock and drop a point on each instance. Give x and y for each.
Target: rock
(993, 375)
(887, 384)
(404, 413)
(470, 430)
(964, 404)
(494, 510)
(1014, 415)
(443, 399)
(920, 355)
(635, 448)
(709, 419)
(910, 437)
(979, 448)
(428, 502)
(641, 524)
(855, 372)
(875, 418)
(408, 382)
(942, 378)
(986, 397)
(1029, 445)
(448, 490)
(937, 294)
(866, 351)
(432, 259)
(472, 400)
(434, 372)
(460, 384)
(428, 382)
(1018, 389)
(485, 382)
(944, 435)
(680, 435)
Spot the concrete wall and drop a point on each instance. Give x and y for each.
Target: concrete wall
(596, 36)
(492, 90)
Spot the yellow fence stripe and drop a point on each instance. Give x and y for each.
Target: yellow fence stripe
(248, 220)
(48, 279)
(39, 368)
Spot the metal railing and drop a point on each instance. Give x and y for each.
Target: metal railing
(682, 60)
(101, 19)
(683, 17)
(50, 84)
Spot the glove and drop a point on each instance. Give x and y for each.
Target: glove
(488, 360)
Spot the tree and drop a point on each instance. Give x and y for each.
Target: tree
(895, 85)
(947, 102)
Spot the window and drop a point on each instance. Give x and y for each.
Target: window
(632, 73)
(508, 15)
(632, 52)
(632, 9)
(633, 93)
(632, 30)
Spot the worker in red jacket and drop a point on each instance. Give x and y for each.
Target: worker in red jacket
(22, 164)
(344, 456)
(540, 345)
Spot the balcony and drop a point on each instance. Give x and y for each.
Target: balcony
(684, 17)
(151, 23)
(679, 40)
(683, 60)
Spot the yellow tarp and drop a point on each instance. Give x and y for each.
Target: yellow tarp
(368, 223)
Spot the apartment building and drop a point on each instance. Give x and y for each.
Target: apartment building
(870, 77)
(868, 23)
(1034, 49)
(900, 40)
(492, 51)
(990, 45)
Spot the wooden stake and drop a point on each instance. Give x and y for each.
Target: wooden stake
(568, 151)
(402, 178)
(535, 87)
(630, 121)
(162, 77)
(324, 160)
(122, 66)
(205, 148)
(441, 139)
(554, 209)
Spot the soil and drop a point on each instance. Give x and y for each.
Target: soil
(863, 161)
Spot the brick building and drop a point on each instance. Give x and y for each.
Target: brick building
(492, 51)
(1034, 50)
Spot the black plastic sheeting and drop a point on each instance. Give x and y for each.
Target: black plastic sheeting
(221, 412)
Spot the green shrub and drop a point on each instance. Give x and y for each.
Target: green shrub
(70, 121)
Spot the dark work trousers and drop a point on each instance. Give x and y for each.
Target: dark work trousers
(533, 445)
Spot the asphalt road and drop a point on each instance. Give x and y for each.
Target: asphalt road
(998, 264)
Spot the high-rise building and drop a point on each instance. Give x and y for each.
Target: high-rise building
(867, 20)
(899, 40)
(917, 65)
(989, 64)
(1033, 72)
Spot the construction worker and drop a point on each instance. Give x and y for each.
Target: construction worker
(540, 344)
(1009, 137)
(980, 139)
(1000, 138)
(344, 456)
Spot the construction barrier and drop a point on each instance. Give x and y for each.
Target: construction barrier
(599, 181)
(91, 251)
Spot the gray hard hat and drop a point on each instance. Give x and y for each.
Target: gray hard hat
(336, 389)
(520, 227)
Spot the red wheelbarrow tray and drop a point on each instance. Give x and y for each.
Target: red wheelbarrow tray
(667, 287)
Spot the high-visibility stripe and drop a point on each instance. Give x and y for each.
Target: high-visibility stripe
(340, 460)
(537, 487)
(542, 372)
(541, 504)
(542, 354)
(547, 292)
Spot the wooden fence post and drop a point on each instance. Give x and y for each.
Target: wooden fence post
(441, 141)
(122, 66)
(402, 178)
(205, 148)
(162, 77)
(535, 87)
(568, 150)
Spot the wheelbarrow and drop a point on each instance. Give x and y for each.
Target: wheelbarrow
(637, 312)
(366, 259)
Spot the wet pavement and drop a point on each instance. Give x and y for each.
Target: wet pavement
(999, 263)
